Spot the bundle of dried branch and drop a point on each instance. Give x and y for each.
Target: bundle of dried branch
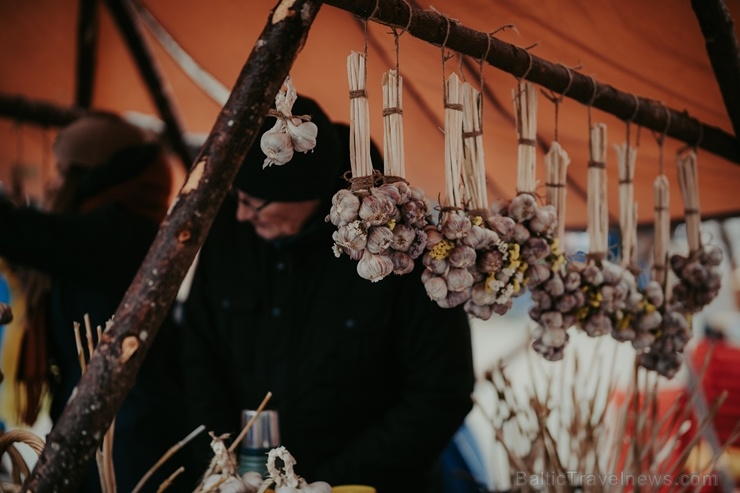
(587, 428)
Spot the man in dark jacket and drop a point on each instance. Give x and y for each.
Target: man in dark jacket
(79, 257)
(370, 380)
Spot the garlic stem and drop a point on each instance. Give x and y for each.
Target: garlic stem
(393, 148)
(688, 179)
(525, 102)
(453, 141)
(474, 166)
(598, 218)
(359, 117)
(662, 230)
(557, 161)
(626, 156)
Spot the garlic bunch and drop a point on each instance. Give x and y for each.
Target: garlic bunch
(610, 291)
(522, 253)
(498, 269)
(285, 478)
(699, 278)
(664, 355)
(382, 228)
(447, 276)
(290, 133)
(640, 322)
(221, 475)
(558, 299)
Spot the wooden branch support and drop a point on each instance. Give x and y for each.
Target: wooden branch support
(43, 113)
(724, 54)
(432, 27)
(125, 17)
(88, 27)
(112, 370)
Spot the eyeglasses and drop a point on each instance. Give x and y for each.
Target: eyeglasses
(247, 202)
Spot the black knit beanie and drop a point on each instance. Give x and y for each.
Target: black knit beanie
(306, 176)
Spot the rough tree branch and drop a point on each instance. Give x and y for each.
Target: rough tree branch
(113, 367)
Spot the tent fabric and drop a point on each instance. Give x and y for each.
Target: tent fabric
(652, 49)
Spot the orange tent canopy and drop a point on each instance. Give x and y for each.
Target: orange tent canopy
(652, 49)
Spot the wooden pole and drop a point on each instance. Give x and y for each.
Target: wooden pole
(112, 370)
(44, 113)
(432, 27)
(125, 17)
(88, 27)
(722, 47)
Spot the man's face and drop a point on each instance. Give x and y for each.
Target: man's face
(272, 220)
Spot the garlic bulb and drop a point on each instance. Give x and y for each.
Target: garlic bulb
(522, 208)
(503, 226)
(438, 266)
(459, 279)
(483, 312)
(462, 257)
(434, 236)
(403, 237)
(277, 146)
(374, 267)
(302, 134)
(217, 483)
(436, 288)
(490, 261)
(377, 209)
(545, 220)
(379, 239)
(351, 239)
(456, 226)
(419, 244)
(345, 207)
(402, 262)
(699, 278)
(454, 298)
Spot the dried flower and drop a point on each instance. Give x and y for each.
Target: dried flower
(350, 238)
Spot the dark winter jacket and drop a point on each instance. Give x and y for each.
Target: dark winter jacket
(370, 380)
(91, 258)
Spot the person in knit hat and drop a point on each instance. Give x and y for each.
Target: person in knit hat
(369, 380)
(79, 255)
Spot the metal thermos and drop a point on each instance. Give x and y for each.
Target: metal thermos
(263, 436)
